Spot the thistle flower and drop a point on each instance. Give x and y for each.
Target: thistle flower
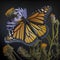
(43, 45)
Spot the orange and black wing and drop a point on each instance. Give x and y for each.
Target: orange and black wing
(23, 32)
(37, 18)
(18, 31)
(34, 29)
(37, 21)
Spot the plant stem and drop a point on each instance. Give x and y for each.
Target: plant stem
(51, 43)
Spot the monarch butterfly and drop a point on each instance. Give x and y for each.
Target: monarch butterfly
(31, 28)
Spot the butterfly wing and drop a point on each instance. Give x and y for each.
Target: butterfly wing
(23, 32)
(30, 36)
(40, 16)
(40, 30)
(18, 31)
(37, 18)
(36, 23)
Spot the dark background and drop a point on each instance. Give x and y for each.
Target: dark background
(30, 5)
